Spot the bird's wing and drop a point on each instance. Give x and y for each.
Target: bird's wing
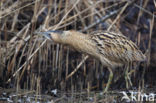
(116, 47)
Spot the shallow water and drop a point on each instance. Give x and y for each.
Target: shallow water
(115, 96)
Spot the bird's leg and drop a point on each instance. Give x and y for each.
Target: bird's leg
(127, 78)
(126, 73)
(109, 80)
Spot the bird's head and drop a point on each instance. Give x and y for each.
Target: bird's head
(56, 35)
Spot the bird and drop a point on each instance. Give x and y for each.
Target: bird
(110, 48)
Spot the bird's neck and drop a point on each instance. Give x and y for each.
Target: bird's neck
(79, 41)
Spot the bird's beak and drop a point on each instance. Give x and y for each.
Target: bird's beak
(45, 34)
(48, 34)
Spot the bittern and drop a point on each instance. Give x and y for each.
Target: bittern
(112, 49)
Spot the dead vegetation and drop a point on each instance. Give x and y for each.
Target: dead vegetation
(27, 61)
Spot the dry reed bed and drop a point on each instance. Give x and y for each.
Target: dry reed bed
(28, 61)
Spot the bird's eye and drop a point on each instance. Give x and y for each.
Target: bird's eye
(57, 31)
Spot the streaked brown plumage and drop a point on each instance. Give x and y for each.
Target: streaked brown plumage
(116, 48)
(112, 49)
